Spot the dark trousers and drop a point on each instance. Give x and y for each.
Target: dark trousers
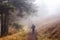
(33, 30)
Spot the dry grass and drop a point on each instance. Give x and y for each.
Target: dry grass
(51, 32)
(45, 37)
(21, 35)
(18, 36)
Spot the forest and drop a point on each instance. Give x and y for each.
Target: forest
(29, 20)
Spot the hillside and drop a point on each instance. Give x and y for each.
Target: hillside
(50, 30)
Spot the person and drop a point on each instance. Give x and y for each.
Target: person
(33, 28)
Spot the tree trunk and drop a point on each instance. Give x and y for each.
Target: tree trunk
(4, 24)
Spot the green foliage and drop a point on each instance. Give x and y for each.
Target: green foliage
(17, 26)
(6, 6)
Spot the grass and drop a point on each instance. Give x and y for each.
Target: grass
(18, 36)
(22, 35)
(46, 37)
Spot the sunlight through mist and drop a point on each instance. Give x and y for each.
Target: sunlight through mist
(47, 10)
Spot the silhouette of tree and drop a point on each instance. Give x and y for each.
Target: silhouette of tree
(4, 12)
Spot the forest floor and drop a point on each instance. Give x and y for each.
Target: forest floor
(22, 35)
(25, 36)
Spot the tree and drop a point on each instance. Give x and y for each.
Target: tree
(4, 11)
(23, 6)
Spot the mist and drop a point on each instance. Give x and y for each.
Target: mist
(45, 9)
(37, 12)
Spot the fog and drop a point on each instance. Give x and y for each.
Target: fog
(38, 12)
(45, 9)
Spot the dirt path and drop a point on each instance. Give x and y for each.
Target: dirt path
(31, 36)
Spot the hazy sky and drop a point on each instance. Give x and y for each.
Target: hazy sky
(45, 9)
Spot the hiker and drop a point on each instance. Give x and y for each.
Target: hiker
(33, 28)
